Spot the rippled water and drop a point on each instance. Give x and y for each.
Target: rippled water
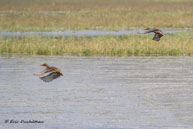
(98, 93)
(88, 33)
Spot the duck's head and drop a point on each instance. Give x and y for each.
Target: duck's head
(46, 65)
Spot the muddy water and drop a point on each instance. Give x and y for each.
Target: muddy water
(88, 33)
(98, 93)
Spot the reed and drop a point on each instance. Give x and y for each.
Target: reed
(57, 15)
(128, 45)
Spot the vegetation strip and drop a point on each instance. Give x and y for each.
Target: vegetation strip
(125, 45)
(57, 15)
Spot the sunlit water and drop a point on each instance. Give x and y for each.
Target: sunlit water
(87, 33)
(98, 93)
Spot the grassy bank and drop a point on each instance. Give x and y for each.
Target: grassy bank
(139, 45)
(59, 15)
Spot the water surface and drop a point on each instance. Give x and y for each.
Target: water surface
(98, 93)
(87, 33)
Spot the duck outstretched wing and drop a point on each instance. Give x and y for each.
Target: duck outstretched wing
(150, 30)
(50, 77)
(157, 37)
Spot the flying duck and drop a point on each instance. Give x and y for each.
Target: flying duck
(49, 73)
(158, 33)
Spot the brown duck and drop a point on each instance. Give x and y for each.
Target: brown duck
(158, 33)
(50, 73)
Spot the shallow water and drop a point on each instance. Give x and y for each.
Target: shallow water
(98, 93)
(87, 33)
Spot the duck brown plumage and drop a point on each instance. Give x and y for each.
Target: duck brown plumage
(158, 33)
(50, 73)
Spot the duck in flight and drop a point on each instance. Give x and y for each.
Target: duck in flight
(158, 33)
(49, 73)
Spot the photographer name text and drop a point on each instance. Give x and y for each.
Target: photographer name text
(23, 121)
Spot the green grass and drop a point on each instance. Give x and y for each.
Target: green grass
(138, 45)
(60, 15)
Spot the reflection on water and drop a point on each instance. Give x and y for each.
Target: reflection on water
(88, 33)
(98, 92)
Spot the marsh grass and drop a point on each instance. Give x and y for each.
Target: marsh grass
(57, 15)
(138, 45)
